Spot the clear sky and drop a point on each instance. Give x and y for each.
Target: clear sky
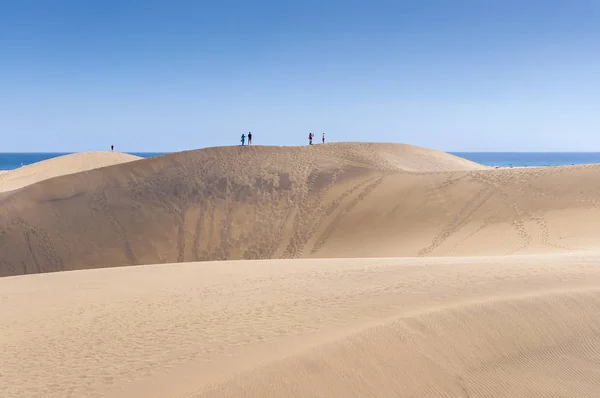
(495, 75)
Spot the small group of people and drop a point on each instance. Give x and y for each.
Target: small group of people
(249, 139)
(311, 136)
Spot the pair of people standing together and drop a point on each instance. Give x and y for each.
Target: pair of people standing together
(249, 139)
(311, 136)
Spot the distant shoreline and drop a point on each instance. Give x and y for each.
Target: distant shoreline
(500, 160)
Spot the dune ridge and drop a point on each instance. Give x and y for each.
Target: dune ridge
(185, 206)
(59, 166)
(324, 201)
(520, 326)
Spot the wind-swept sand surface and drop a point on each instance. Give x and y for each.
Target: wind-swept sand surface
(210, 204)
(58, 166)
(333, 200)
(519, 326)
(388, 270)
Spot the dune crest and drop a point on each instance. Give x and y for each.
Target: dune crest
(333, 200)
(209, 204)
(306, 328)
(59, 166)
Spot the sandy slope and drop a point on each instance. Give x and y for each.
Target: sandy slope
(62, 165)
(334, 200)
(495, 291)
(520, 326)
(210, 204)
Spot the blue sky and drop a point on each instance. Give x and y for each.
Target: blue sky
(497, 75)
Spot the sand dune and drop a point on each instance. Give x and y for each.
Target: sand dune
(210, 204)
(467, 281)
(325, 201)
(520, 326)
(62, 165)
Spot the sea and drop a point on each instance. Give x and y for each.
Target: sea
(530, 159)
(10, 161)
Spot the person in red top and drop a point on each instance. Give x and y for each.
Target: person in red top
(310, 138)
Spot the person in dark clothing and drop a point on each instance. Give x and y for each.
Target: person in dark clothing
(310, 138)
(250, 138)
(112, 147)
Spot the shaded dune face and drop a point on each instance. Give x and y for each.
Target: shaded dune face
(334, 200)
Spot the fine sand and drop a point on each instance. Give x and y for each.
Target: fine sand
(520, 326)
(62, 165)
(364, 270)
(217, 204)
(324, 201)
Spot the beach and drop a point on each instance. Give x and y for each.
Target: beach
(345, 269)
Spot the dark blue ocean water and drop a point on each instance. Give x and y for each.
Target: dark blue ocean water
(524, 159)
(9, 161)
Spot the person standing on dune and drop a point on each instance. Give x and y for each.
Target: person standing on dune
(250, 138)
(243, 139)
(323, 138)
(310, 138)
(112, 148)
